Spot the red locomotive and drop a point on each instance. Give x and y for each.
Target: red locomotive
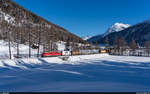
(50, 54)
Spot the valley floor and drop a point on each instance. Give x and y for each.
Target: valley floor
(100, 72)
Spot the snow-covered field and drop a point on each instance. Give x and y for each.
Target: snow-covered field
(99, 72)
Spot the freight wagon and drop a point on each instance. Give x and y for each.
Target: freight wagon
(87, 52)
(76, 53)
(103, 51)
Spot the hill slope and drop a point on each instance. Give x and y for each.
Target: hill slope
(19, 22)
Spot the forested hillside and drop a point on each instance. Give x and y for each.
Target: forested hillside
(24, 27)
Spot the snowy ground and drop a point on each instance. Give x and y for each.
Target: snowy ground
(99, 72)
(23, 49)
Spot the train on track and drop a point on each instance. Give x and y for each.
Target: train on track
(71, 53)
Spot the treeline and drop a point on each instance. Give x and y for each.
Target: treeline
(121, 47)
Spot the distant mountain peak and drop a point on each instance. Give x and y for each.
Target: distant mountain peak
(86, 37)
(116, 27)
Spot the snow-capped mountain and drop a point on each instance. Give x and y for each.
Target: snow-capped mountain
(116, 28)
(86, 37)
(139, 32)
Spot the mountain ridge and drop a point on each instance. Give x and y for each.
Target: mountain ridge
(140, 32)
(116, 27)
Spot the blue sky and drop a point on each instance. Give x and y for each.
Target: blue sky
(89, 17)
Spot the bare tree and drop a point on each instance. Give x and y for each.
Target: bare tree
(68, 44)
(29, 32)
(107, 43)
(122, 45)
(18, 30)
(91, 46)
(116, 45)
(96, 45)
(147, 47)
(8, 28)
(18, 39)
(39, 39)
(133, 46)
(9, 40)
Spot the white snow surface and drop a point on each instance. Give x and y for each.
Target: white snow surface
(84, 73)
(4, 49)
(73, 60)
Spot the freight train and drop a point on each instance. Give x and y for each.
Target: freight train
(70, 53)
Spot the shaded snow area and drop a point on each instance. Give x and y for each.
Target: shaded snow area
(99, 72)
